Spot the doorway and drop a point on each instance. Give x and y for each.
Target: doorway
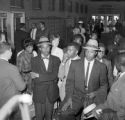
(108, 20)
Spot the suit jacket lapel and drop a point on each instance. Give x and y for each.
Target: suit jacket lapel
(50, 66)
(42, 65)
(93, 73)
(84, 69)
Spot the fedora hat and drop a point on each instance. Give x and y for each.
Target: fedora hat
(88, 110)
(43, 40)
(92, 45)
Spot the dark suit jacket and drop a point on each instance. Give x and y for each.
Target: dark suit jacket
(109, 70)
(116, 98)
(46, 84)
(19, 37)
(11, 82)
(97, 81)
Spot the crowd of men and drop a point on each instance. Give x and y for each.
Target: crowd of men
(68, 79)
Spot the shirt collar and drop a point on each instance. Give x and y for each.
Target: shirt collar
(3, 59)
(92, 61)
(44, 56)
(121, 74)
(75, 58)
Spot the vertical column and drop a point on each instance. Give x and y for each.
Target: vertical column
(10, 28)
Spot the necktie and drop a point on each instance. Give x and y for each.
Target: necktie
(87, 72)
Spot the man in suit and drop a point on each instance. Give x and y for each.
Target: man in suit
(102, 59)
(84, 86)
(45, 71)
(11, 82)
(116, 97)
(33, 31)
(41, 31)
(79, 40)
(19, 36)
(69, 56)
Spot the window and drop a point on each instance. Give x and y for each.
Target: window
(36, 4)
(61, 5)
(51, 5)
(81, 8)
(69, 6)
(77, 7)
(17, 3)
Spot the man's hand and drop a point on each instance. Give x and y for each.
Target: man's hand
(34, 75)
(67, 104)
(91, 95)
(97, 112)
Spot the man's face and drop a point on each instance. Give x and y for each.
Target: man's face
(72, 51)
(33, 25)
(101, 53)
(76, 31)
(9, 54)
(94, 36)
(45, 49)
(90, 54)
(78, 40)
(41, 26)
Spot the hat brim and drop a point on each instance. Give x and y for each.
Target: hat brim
(41, 43)
(91, 48)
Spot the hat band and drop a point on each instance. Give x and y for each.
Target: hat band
(47, 42)
(92, 46)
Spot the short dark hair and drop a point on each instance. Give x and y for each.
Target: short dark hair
(76, 45)
(78, 36)
(22, 25)
(4, 46)
(28, 42)
(41, 22)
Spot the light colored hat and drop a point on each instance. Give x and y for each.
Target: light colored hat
(80, 22)
(91, 45)
(88, 110)
(43, 40)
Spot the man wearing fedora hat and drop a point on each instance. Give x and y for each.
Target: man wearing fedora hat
(86, 83)
(45, 73)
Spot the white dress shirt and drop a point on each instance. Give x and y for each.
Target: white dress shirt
(33, 33)
(90, 68)
(46, 62)
(58, 52)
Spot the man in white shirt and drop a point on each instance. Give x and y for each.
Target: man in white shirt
(45, 89)
(33, 31)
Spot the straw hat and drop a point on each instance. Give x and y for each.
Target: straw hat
(88, 110)
(91, 45)
(43, 40)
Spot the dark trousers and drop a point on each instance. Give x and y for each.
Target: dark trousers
(44, 111)
(71, 113)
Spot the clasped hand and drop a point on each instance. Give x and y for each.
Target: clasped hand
(67, 105)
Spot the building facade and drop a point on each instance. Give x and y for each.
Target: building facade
(57, 14)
